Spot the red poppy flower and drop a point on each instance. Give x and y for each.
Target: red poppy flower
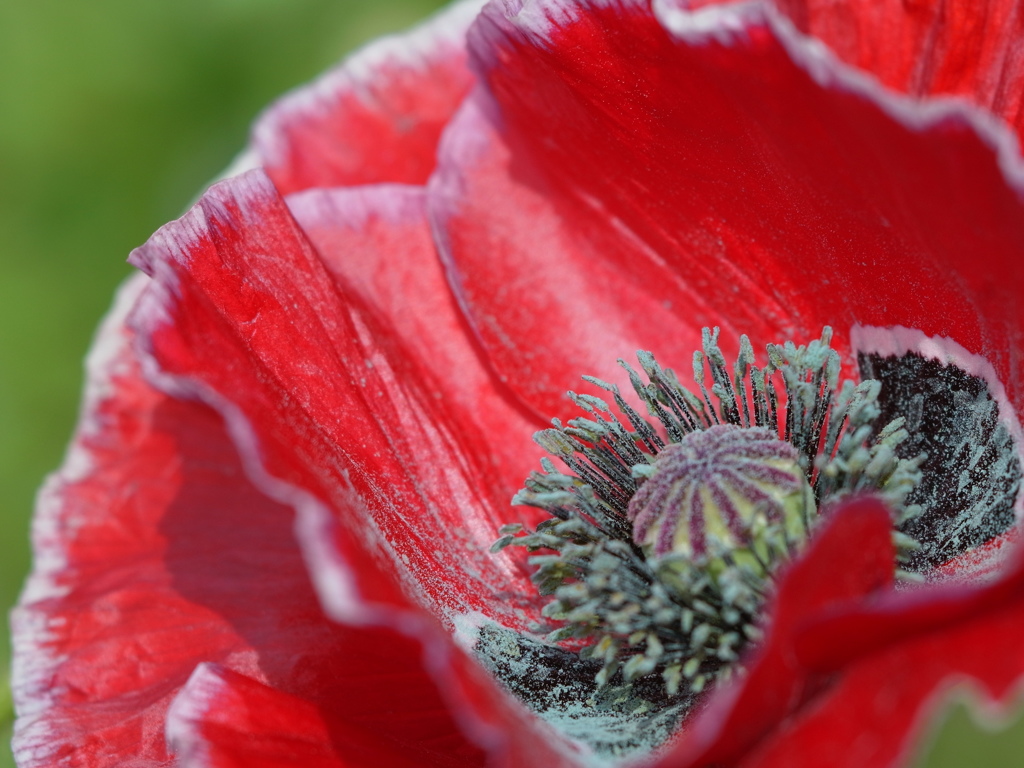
(269, 542)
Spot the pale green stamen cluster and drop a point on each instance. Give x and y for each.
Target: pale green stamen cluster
(683, 614)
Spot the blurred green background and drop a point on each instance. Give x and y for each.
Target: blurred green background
(113, 115)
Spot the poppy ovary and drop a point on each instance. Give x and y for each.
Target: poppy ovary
(723, 492)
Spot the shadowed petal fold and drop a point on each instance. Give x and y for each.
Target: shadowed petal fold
(154, 554)
(320, 395)
(222, 718)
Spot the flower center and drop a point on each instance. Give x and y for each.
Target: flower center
(664, 536)
(665, 531)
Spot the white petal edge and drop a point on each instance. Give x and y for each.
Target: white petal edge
(727, 23)
(190, 706)
(445, 29)
(33, 660)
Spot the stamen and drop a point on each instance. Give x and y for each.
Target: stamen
(665, 534)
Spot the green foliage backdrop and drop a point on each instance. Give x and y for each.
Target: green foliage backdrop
(113, 114)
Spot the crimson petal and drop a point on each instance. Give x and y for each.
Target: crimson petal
(853, 725)
(332, 417)
(969, 48)
(222, 719)
(358, 233)
(837, 637)
(154, 553)
(377, 116)
(734, 173)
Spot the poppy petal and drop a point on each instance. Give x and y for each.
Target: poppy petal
(377, 116)
(854, 725)
(331, 418)
(330, 405)
(734, 173)
(969, 49)
(155, 554)
(833, 639)
(221, 718)
(358, 232)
